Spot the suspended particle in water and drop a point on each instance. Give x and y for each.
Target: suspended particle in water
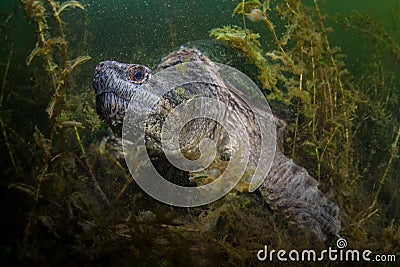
(255, 15)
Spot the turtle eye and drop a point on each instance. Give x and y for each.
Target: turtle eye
(138, 74)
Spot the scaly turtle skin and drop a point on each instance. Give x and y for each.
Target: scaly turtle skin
(287, 187)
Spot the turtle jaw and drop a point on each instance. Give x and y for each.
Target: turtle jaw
(111, 107)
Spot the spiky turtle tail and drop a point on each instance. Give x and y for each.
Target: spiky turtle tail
(289, 188)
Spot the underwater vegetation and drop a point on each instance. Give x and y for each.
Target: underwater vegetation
(343, 127)
(335, 116)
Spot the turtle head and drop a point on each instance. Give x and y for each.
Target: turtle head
(115, 84)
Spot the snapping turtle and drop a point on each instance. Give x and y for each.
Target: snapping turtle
(132, 89)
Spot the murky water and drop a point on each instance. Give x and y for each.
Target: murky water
(45, 165)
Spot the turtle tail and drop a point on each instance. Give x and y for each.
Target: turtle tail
(289, 188)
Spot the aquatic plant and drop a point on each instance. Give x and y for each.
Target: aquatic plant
(372, 31)
(45, 47)
(391, 238)
(306, 74)
(331, 112)
(379, 130)
(343, 127)
(52, 47)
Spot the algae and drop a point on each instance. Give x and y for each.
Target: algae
(343, 127)
(332, 110)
